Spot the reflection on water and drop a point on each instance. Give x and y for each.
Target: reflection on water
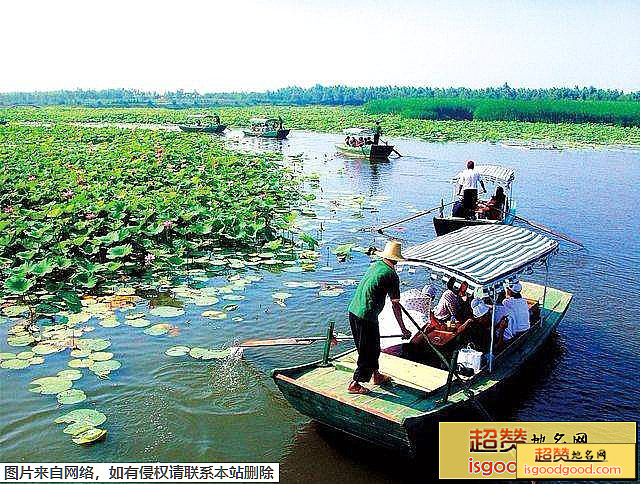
(180, 409)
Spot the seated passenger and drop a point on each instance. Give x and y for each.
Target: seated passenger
(354, 141)
(492, 209)
(360, 141)
(447, 308)
(347, 140)
(368, 141)
(518, 307)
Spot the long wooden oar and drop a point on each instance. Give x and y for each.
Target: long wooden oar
(452, 370)
(380, 228)
(254, 343)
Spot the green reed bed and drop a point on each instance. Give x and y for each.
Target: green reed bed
(621, 113)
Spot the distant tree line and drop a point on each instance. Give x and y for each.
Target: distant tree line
(297, 96)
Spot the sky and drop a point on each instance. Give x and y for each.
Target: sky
(254, 45)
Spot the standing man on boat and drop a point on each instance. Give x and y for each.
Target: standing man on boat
(377, 133)
(468, 186)
(380, 281)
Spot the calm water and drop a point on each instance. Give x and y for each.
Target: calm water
(178, 409)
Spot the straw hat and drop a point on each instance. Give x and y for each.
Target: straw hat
(513, 286)
(479, 308)
(391, 251)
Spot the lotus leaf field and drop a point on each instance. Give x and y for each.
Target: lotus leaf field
(334, 119)
(82, 207)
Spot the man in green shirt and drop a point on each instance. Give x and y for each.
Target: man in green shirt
(380, 281)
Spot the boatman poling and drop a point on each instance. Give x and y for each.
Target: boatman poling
(381, 280)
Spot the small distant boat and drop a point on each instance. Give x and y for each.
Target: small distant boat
(401, 414)
(203, 123)
(497, 175)
(266, 128)
(371, 151)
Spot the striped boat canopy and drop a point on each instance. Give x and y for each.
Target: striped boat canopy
(492, 173)
(482, 255)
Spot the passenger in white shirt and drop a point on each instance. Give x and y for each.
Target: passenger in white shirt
(518, 306)
(504, 327)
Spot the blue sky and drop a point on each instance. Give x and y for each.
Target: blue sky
(223, 45)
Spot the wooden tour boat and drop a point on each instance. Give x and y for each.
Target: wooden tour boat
(498, 176)
(372, 152)
(267, 128)
(399, 415)
(203, 123)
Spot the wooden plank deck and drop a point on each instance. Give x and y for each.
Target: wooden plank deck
(412, 383)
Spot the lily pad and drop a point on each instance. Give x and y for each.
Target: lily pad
(138, 323)
(25, 355)
(22, 340)
(281, 295)
(233, 297)
(14, 364)
(50, 385)
(36, 360)
(100, 356)
(83, 415)
(109, 323)
(205, 301)
(7, 356)
(104, 366)
(158, 329)
(230, 307)
(80, 353)
(93, 344)
(310, 284)
(80, 363)
(45, 349)
(14, 311)
(167, 312)
(237, 319)
(69, 397)
(177, 351)
(70, 375)
(292, 284)
(90, 436)
(197, 352)
(77, 428)
(214, 314)
(216, 354)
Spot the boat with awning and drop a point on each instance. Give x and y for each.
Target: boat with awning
(367, 148)
(461, 214)
(203, 123)
(267, 128)
(399, 415)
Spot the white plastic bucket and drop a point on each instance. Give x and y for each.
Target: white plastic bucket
(470, 358)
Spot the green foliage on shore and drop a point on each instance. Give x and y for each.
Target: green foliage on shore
(545, 111)
(80, 207)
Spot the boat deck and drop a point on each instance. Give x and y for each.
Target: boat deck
(393, 401)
